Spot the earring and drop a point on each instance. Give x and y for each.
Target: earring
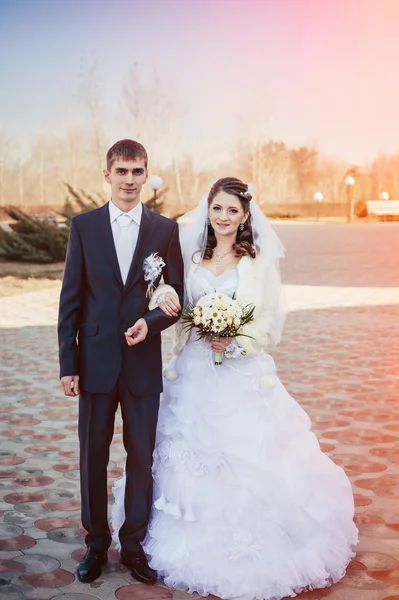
(242, 226)
(208, 221)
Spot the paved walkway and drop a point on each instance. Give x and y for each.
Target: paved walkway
(339, 358)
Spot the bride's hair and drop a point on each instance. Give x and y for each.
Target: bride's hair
(244, 244)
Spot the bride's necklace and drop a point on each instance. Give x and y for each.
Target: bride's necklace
(220, 257)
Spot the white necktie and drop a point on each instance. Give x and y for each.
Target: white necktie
(124, 250)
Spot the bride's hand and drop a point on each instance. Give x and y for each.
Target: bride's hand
(221, 344)
(171, 305)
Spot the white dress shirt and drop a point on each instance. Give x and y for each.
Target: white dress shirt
(132, 229)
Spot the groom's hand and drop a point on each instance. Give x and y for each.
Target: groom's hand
(70, 385)
(136, 334)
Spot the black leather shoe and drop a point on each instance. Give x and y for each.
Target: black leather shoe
(90, 568)
(138, 566)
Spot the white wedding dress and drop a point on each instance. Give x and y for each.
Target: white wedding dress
(245, 503)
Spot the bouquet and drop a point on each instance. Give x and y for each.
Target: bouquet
(217, 315)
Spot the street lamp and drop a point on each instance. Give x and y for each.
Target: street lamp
(384, 196)
(155, 182)
(318, 197)
(349, 182)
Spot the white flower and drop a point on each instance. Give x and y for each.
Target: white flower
(237, 322)
(170, 374)
(244, 544)
(268, 383)
(197, 320)
(196, 467)
(152, 267)
(204, 302)
(163, 452)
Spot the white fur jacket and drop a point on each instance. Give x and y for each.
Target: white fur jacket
(258, 284)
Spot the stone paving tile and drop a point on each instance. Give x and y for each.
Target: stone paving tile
(142, 592)
(338, 357)
(103, 588)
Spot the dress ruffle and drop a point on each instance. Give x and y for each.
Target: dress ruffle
(245, 503)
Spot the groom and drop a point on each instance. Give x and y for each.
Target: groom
(110, 350)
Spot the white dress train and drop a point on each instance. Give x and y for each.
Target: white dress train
(245, 503)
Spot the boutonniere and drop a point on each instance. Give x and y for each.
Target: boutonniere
(152, 267)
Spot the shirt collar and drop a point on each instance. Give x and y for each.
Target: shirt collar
(134, 214)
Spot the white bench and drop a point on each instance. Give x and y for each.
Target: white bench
(383, 208)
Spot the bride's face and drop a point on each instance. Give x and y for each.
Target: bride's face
(226, 214)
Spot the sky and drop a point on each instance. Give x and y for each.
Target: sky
(319, 72)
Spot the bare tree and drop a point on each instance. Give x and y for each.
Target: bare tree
(384, 175)
(330, 178)
(268, 165)
(304, 162)
(38, 159)
(21, 165)
(4, 147)
(154, 119)
(92, 105)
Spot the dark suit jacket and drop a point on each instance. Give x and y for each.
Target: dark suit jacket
(96, 308)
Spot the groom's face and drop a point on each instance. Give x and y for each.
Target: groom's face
(127, 178)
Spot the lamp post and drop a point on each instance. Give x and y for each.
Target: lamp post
(384, 196)
(155, 182)
(317, 197)
(349, 182)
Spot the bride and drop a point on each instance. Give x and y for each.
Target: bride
(245, 503)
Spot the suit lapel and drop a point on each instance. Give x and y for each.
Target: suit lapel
(146, 233)
(107, 241)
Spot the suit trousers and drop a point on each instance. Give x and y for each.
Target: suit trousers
(96, 429)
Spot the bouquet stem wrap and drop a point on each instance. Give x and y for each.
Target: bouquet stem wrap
(218, 358)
